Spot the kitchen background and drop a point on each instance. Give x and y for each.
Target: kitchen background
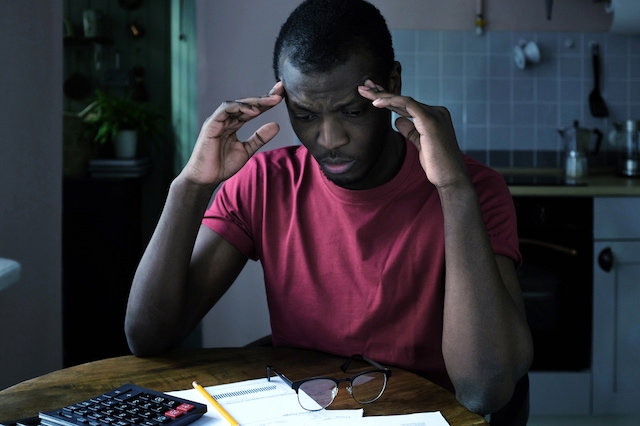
(503, 115)
(509, 117)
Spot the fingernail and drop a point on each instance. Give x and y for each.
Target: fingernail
(273, 89)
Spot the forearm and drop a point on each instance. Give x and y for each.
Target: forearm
(157, 313)
(486, 341)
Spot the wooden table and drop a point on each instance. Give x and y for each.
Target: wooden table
(405, 393)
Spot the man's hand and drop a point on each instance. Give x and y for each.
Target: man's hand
(218, 154)
(431, 131)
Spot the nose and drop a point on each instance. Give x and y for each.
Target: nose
(332, 134)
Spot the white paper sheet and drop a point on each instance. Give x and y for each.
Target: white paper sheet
(260, 403)
(417, 419)
(272, 403)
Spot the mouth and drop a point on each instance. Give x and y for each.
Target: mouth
(337, 167)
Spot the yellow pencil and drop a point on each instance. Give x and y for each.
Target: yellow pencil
(216, 404)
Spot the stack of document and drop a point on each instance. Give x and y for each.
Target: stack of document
(264, 403)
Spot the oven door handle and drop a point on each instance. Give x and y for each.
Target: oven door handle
(551, 246)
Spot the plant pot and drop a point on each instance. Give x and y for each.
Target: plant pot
(126, 144)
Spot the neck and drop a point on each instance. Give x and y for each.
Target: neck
(391, 159)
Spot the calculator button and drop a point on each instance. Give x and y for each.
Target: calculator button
(67, 415)
(116, 392)
(133, 410)
(185, 407)
(174, 413)
(157, 399)
(95, 416)
(126, 396)
(171, 403)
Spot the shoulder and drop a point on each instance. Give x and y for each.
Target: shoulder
(482, 174)
(285, 160)
(497, 207)
(488, 182)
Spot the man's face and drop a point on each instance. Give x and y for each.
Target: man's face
(351, 139)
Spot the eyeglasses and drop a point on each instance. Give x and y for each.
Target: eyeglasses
(317, 393)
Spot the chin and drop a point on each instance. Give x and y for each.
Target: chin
(344, 181)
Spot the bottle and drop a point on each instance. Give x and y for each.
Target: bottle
(629, 152)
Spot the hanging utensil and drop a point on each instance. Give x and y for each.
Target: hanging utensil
(596, 102)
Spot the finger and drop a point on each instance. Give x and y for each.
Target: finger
(262, 102)
(261, 137)
(370, 90)
(241, 111)
(382, 99)
(278, 89)
(408, 130)
(397, 104)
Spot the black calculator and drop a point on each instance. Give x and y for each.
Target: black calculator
(128, 405)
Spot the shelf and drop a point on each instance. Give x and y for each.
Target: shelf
(73, 41)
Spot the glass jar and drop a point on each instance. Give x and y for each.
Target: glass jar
(629, 151)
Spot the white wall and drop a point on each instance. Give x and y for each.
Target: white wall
(235, 45)
(30, 186)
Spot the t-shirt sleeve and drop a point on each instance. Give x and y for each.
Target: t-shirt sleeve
(230, 213)
(499, 213)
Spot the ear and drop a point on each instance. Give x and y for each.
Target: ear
(395, 79)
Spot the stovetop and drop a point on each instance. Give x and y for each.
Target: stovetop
(540, 180)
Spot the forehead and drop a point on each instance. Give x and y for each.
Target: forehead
(337, 86)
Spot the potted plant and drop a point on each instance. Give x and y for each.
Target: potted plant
(121, 121)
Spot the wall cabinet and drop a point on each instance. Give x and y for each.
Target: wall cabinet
(616, 309)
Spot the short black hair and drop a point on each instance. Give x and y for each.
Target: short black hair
(322, 34)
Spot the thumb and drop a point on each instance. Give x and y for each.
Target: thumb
(408, 130)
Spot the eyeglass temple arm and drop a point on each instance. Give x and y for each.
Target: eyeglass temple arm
(282, 376)
(346, 364)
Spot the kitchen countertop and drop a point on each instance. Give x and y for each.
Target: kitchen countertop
(599, 183)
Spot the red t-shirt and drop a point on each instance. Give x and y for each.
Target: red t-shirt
(353, 271)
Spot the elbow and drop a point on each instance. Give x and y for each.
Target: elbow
(134, 341)
(485, 398)
(493, 390)
(139, 339)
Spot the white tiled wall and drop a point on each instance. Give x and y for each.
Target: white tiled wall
(507, 116)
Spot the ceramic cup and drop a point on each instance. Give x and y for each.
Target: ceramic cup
(532, 52)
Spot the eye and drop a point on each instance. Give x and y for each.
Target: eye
(352, 113)
(305, 117)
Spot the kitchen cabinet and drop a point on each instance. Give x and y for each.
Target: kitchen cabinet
(102, 244)
(616, 308)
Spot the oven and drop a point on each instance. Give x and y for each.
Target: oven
(556, 241)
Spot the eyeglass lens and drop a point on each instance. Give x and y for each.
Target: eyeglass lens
(368, 386)
(317, 394)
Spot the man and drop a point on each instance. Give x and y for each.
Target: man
(387, 243)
